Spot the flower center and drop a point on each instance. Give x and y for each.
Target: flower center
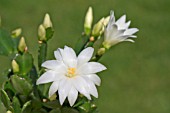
(71, 72)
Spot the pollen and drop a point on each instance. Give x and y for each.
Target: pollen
(71, 72)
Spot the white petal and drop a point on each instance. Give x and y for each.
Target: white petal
(72, 96)
(81, 85)
(64, 88)
(53, 88)
(92, 88)
(133, 36)
(46, 77)
(129, 40)
(91, 67)
(121, 20)
(55, 65)
(111, 21)
(58, 54)
(128, 24)
(95, 78)
(85, 56)
(69, 57)
(50, 64)
(122, 23)
(131, 31)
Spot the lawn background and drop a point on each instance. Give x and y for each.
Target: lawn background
(138, 75)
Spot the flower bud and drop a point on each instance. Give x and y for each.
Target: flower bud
(16, 33)
(42, 33)
(22, 45)
(88, 21)
(106, 20)
(101, 51)
(15, 66)
(8, 111)
(98, 28)
(47, 21)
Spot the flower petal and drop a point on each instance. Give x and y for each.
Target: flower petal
(112, 20)
(55, 65)
(64, 88)
(95, 78)
(69, 57)
(85, 56)
(121, 20)
(58, 54)
(53, 88)
(72, 96)
(46, 77)
(90, 68)
(92, 88)
(81, 85)
(131, 31)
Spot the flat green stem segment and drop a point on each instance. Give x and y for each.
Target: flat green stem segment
(42, 52)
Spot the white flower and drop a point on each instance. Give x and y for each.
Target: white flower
(118, 31)
(71, 74)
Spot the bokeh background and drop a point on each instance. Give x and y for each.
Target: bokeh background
(138, 75)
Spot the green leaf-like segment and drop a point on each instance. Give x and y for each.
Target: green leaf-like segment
(25, 62)
(5, 99)
(21, 85)
(6, 43)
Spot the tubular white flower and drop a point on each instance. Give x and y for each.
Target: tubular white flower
(118, 31)
(71, 74)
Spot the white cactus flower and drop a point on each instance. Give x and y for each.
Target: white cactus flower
(118, 31)
(71, 74)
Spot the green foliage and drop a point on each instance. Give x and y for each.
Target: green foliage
(81, 44)
(25, 62)
(21, 85)
(5, 99)
(16, 105)
(6, 42)
(49, 33)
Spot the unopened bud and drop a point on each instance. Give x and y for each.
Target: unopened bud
(42, 33)
(15, 66)
(106, 20)
(47, 21)
(53, 97)
(98, 28)
(9, 111)
(22, 45)
(16, 32)
(101, 51)
(88, 21)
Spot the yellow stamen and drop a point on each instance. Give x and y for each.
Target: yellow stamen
(71, 72)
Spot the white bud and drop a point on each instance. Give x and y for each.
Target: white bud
(17, 32)
(98, 28)
(42, 33)
(88, 20)
(8, 111)
(22, 45)
(47, 21)
(15, 66)
(106, 20)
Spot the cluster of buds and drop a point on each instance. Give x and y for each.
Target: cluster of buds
(42, 30)
(112, 31)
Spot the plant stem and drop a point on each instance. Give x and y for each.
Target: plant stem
(42, 53)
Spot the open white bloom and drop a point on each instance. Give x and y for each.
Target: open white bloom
(71, 74)
(118, 31)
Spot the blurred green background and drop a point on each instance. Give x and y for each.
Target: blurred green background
(138, 76)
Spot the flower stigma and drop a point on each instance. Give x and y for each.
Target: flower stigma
(71, 72)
